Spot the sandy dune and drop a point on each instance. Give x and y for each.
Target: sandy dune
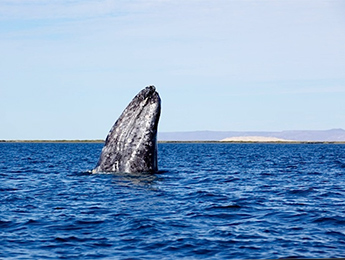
(253, 139)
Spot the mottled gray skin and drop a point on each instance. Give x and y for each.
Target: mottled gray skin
(131, 145)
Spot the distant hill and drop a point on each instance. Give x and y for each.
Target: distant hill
(295, 135)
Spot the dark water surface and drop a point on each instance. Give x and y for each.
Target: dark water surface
(210, 201)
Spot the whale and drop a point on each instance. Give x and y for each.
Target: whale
(131, 144)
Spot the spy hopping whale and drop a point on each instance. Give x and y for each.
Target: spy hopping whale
(131, 145)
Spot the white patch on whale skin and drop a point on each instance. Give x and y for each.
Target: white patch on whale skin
(115, 166)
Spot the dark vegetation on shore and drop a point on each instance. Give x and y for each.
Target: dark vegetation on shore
(176, 142)
(51, 141)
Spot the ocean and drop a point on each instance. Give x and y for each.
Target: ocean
(208, 201)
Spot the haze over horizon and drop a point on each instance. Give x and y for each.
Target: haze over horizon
(69, 68)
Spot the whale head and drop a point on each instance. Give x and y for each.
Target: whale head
(131, 145)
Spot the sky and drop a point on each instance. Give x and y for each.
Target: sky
(68, 68)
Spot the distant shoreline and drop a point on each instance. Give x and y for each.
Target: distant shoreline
(253, 142)
(51, 141)
(256, 142)
(179, 142)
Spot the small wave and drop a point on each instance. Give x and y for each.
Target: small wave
(224, 207)
(302, 191)
(70, 239)
(6, 224)
(336, 221)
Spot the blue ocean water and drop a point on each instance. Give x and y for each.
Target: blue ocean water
(209, 201)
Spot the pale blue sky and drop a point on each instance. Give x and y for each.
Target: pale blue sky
(68, 68)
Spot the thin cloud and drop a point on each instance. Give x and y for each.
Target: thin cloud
(71, 9)
(316, 90)
(59, 9)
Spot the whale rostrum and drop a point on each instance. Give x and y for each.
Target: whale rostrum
(131, 145)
